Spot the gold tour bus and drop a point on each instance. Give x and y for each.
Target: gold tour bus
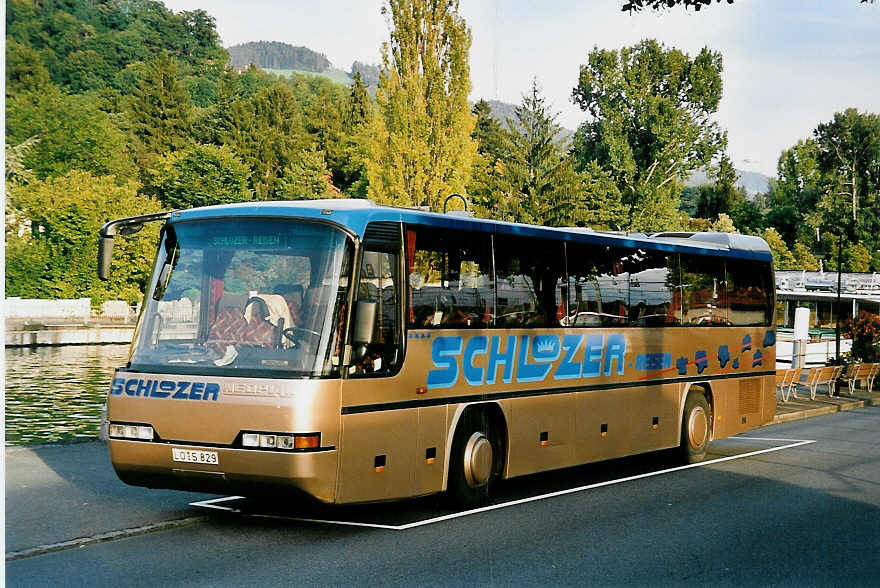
(356, 352)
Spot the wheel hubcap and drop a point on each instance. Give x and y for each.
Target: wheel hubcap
(477, 460)
(698, 427)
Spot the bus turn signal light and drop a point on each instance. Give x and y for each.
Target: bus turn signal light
(306, 441)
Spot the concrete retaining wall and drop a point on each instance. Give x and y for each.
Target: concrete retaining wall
(69, 336)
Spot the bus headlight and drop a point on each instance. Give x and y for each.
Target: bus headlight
(126, 431)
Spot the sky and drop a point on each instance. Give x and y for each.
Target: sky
(788, 64)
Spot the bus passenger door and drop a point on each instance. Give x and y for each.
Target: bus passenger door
(379, 437)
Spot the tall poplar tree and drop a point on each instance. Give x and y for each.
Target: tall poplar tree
(421, 147)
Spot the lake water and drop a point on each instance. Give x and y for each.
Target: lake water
(56, 393)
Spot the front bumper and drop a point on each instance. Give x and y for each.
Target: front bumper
(244, 472)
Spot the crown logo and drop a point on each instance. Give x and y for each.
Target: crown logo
(545, 344)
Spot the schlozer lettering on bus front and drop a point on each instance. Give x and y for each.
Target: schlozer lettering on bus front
(355, 353)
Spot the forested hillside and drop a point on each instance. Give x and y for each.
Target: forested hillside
(122, 108)
(276, 55)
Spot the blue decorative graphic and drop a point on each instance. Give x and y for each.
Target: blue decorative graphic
(747, 343)
(723, 355)
(682, 364)
(544, 350)
(736, 363)
(701, 359)
(757, 358)
(653, 362)
(769, 339)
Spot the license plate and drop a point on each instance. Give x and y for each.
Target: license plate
(194, 456)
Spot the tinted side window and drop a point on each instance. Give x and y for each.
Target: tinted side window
(531, 276)
(598, 286)
(703, 297)
(749, 293)
(654, 288)
(449, 278)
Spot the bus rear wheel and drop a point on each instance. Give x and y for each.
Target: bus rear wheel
(473, 460)
(696, 422)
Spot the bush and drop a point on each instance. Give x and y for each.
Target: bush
(865, 334)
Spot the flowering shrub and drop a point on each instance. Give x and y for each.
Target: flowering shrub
(865, 334)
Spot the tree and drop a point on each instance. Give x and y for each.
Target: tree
(782, 257)
(803, 257)
(795, 191)
(267, 133)
(422, 147)
(637, 5)
(308, 177)
(537, 170)
(650, 123)
(24, 68)
(199, 175)
(849, 159)
(358, 107)
(161, 109)
(73, 134)
(56, 257)
(488, 132)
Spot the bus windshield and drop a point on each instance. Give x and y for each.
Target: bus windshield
(245, 296)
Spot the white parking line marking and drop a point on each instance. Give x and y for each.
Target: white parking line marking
(794, 443)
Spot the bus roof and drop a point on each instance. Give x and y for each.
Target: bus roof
(356, 214)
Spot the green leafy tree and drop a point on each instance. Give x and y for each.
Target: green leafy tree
(782, 257)
(849, 159)
(804, 258)
(55, 256)
(199, 175)
(724, 224)
(795, 191)
(602, 207)
(422, 147)
(650, 123)
(24, 68)
(307, 177)
(73, 134)
(748, 217)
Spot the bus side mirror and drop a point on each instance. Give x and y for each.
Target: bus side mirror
(364, 327)
(105, 256)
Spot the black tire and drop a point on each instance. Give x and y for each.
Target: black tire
(696, 427)
(474, 460)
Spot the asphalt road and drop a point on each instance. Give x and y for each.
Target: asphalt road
(804, 515)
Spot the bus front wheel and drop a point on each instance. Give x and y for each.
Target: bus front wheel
(695, 428)
(473, 458)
